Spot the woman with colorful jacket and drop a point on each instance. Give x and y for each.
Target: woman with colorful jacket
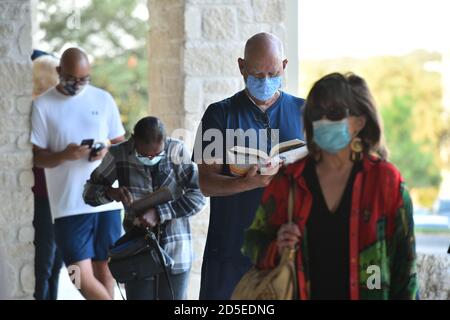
(352, 226)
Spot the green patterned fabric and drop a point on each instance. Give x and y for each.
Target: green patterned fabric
(391, 255)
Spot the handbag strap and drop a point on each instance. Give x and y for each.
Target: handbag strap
(158, 238)
(288, 254)
(161, 258)
(291, 200)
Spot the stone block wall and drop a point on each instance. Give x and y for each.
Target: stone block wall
(16, 178)
(434, 276)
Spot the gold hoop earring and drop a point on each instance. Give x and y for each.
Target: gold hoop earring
(357, 148)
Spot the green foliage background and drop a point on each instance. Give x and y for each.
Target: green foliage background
(116, 39)
(409, 100)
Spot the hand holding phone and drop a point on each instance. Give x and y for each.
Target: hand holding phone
(96, 149)
(74, 151)
(87, 142)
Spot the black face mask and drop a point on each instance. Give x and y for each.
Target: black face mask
(71, 87)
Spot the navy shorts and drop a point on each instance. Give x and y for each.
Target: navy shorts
(87, 236)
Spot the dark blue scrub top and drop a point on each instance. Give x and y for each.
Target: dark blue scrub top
(231, 215)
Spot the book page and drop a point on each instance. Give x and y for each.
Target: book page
(293, 155)
(285, 146)
(239, 150)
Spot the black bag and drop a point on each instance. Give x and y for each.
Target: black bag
(137, 255)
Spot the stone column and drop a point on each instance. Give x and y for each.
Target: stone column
(193, 50)
(166, 80)
(433, 276)
(16, 179)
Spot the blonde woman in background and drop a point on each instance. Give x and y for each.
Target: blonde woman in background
(44, 73)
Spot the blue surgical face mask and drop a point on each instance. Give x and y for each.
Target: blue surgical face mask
(263, 88)
(331, 136)
(150, 162)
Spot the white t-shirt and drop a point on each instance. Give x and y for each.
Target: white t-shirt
(58, 120)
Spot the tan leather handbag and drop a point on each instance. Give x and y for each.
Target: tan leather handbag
(279, 283)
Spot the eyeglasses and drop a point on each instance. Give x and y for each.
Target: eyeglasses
(265, 120)
(150, 157)
(332, 113)
(72, 80)
(261, 75)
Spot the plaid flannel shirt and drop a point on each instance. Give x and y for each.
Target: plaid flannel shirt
(175, 171)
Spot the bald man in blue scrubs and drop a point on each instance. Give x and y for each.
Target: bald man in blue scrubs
(234, 199)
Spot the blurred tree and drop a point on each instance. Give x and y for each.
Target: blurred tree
(113, 33)
(412, 156)
(409, 98)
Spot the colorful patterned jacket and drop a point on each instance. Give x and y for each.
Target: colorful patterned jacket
(381, 231)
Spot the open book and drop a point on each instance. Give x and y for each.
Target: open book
(151, 200)
(241, 158)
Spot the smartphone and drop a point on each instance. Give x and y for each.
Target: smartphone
(96, 148)
(87, 142)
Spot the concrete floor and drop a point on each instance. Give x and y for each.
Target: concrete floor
(67, 290)
(425, 243)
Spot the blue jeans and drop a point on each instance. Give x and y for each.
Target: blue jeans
(47, 260)
(146, 289)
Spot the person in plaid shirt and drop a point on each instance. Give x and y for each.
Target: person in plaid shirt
(144, 163)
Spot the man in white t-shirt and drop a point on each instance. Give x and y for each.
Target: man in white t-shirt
(62, 118)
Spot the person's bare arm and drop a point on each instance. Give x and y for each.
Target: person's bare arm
(44, 158)
(117, 140)
(214, 183)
